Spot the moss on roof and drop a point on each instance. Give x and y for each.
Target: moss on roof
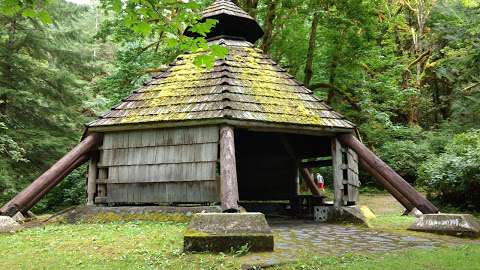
(246, 85)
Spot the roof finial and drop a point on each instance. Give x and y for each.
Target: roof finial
(232, 21)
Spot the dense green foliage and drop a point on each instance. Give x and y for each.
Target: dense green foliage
(454, 176)
(406, 72)
(45, 69)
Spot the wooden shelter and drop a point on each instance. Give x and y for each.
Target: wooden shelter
(161, 143)
(243, 130)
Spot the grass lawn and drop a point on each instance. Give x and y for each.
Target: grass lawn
(158, 245)
(459, 257)
(131, 245)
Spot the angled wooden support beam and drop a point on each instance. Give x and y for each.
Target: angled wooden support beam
(228, 171)
(395, 193)
(49, 179)
(305, 172)
(310, 182)
(395, 180)
(52, 184)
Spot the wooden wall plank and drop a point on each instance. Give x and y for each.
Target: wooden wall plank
(353, 181)
(162, 165)
(163, 172)
(337, 172)
(162, 192)
(160, 154)
(158, 137)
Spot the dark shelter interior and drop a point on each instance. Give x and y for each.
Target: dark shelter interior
(268, 167)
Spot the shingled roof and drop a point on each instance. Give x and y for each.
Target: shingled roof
(246, 86)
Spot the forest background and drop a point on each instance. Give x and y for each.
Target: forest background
(407, 72)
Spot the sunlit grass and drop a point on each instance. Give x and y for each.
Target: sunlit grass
(459, 257)
(132, 245)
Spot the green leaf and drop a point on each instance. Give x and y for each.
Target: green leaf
(203, 28)
(117, 5)
(142, 28)
(29, 12)
(9, 7)
(171, 42)
(204, 61)
(218, 51)
(44, 17)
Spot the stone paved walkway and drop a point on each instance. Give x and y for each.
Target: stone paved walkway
(295, 237)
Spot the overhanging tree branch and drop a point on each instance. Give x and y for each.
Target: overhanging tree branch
(342, 92)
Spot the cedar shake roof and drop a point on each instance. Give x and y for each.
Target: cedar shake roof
(247, 86)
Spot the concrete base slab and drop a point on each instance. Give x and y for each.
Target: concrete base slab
(127, 213)
(451, 224)
(19, 217)
(8, 225)
(414, 213)
(333, 214)
(223, 232)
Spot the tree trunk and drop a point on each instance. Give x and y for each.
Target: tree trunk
(268, 27)
(331, 78)
(311, 49)
(250, 6)
(421, 14)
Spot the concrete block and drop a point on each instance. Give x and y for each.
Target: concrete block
(222, 232)
(332, 214)
(414, 213)
(19, 217)
(8, 225)
(128, 213)
(451, 224)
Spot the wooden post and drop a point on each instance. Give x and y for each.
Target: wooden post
(228, 171)
(92, 180)
(297, 182)
(337, 173)
(422, 204)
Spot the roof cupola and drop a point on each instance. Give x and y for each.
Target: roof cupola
(233, 22)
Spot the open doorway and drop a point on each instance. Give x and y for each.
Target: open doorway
(268, 170)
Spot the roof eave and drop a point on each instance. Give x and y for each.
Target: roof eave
(254, 125)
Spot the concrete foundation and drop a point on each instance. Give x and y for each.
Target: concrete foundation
(8, 225)
(451, 224)
(125, 213)
(224, 232)
(344, 214)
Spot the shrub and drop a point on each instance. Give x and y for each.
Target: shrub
(71, 191)
(404, 157)
(453, 177)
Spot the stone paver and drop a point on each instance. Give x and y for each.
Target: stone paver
(295, 237)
